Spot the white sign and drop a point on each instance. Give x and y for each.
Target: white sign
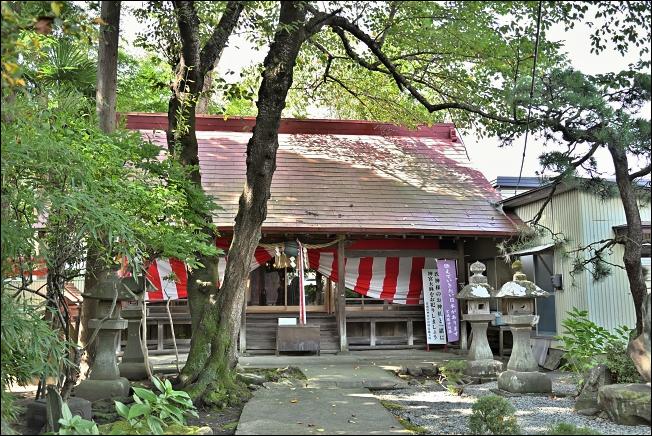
(433, 305)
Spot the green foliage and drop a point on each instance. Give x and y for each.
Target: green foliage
(143, 84)
(586, 345)
(111, 191)
(493, 414)
(61, 63)
(153, 413)
(75, 424)
(619, 363)
(30, 348)
(453, 371)
(564, 428)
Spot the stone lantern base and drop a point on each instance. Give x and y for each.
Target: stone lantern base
(93, 390)
(524, 382)
(483, 370)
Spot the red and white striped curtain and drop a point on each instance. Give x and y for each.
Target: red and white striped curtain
(169, 279)
(393, 279)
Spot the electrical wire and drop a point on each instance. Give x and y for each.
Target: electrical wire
(529, 106)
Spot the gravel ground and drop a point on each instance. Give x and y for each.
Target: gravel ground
(442, 413)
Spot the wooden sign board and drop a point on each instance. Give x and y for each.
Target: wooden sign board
(433, 305)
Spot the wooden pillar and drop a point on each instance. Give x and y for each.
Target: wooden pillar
(341, 297)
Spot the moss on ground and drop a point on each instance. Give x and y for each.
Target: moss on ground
(230, 425)
(123, 427)
(414, 428)
(276, 374)
(390, 405)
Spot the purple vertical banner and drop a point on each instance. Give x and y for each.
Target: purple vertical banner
(448, 283)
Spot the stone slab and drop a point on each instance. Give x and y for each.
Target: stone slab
(323, 411)
(350, 376)
(483, 369)
(94, 390)
(626, 404)
(524, 382)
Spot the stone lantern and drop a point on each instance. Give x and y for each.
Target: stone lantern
(481, 363)
(104, 379)
(133, 363)
(522, 375)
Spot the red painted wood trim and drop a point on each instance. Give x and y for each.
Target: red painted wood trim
(143, 121)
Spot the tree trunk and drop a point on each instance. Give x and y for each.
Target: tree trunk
(634, 238)
(181, 133)
(205, 97)
(221, 319)
(105, 104)
(107, 60)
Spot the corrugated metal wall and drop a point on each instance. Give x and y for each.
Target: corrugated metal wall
(563, 215)
(584, 218)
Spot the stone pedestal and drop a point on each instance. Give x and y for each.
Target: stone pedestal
(522, 375)
(133, 360)
(480, 360)
(104, 379)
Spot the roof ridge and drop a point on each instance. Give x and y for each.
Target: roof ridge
(218, 123)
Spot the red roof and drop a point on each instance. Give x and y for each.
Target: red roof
(337, 176)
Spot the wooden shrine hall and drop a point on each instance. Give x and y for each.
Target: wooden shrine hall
(371, 204)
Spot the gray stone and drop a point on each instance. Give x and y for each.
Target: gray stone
(639, 348)
(589, 412)
(132, 366)
(430, 371)
(133, 370)
(205, 430)
(484, 369)
(94, 390)
(626, 404)
(252, 379)
(480, 349)
(285, 411)
(524, 382)
(36, 412)
(597, 377)
(414, 371)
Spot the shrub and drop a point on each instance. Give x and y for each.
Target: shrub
(30, 348)
(564, 428)
(620, 364)
(453, 371)
(75, 424)
(586, 345)
(493, 415)
(153, 412)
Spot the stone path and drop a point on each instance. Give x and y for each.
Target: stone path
(282, 410)
(334, 398)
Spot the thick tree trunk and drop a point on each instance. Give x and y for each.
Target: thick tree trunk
(181, 133)
(221, 319)
(105, 102)
(634, 238)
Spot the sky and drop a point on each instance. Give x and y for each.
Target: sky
(485, 153)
